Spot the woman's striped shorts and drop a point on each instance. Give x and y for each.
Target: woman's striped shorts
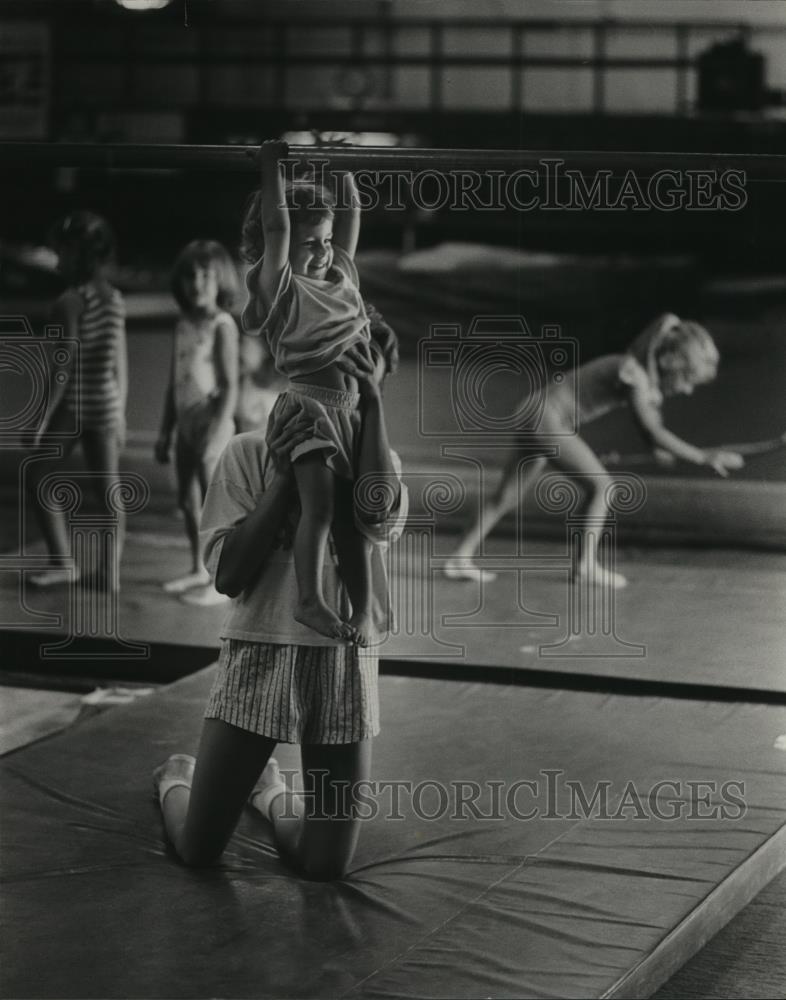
(297, 694)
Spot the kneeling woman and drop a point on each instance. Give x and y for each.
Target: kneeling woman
(277, 680)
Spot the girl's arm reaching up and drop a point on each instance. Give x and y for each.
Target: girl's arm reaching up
(346, 226)
(275, 220)
(650, 420)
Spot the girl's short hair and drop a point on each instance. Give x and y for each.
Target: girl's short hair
(307, 203)
(90, 236)
(206, 253)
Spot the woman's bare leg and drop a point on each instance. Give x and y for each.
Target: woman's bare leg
(317, 832)
(200, 819)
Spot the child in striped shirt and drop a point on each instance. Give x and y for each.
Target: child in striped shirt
(89, 404)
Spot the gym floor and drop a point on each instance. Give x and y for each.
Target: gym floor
(707, 618)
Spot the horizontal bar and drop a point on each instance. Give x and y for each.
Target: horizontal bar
(383, 158)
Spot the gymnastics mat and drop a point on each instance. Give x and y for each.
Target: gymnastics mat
(548, 895)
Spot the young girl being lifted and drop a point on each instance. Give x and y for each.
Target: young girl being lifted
(304, 299)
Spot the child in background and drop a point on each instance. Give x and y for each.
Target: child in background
(672, 356)
(202, 393)
(304, 300)
(92, 398)
(258, 387)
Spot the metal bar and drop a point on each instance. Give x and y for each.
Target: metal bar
(382, 158)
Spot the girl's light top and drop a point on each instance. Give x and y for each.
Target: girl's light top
(196, 378)
(94, 390)
(312, 321)
(264, 612)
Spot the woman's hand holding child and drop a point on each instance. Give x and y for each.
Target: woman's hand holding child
(286, 438)
(365, 363)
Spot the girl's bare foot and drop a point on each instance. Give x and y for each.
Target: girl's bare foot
(462, 568)
(599, 576)
(197, 578)
(317, 615)
(362, 627)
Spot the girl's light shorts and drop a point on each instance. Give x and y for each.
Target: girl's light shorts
(338, 414)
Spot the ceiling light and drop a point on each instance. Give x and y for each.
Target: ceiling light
(143, 4)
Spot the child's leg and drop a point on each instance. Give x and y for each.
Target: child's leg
(354, 562)
(576, 458)
(200, 819)
(52, 523)
(315, 483)
(102, 457)
(189, 500)
(317, 832)
(489, 511)
(204, 594)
